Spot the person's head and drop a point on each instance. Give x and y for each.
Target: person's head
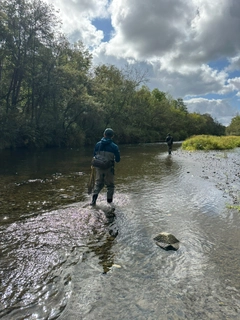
(108, 133)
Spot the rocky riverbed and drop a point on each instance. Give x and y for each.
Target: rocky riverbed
(219, 167)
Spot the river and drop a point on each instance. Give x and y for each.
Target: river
(62, 259)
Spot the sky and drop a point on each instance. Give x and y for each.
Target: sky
(189, 49)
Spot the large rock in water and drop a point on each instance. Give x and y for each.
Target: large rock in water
(167, 241)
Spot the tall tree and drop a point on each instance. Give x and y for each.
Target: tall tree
(27, 27)
(180, 105)
(27, 39)
(113, 89)
(234, 127)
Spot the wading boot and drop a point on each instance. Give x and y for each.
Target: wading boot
(112, 207)
(94, 199)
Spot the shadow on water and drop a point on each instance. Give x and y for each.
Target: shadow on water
(62, 259)
(103, 249)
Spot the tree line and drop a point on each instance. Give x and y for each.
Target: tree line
(51, 94)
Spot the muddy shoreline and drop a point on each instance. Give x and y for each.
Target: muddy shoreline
(222, 168)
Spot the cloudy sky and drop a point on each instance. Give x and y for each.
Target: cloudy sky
(190, 48)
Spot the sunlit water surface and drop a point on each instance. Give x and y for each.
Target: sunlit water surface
(62, 259)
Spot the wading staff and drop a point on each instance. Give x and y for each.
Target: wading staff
(91, 181)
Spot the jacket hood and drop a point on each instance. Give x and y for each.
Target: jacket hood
(106, 140)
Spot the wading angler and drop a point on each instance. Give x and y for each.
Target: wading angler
(105, 154)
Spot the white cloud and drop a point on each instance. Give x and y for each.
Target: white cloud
(145, 30)
(234, 64)
(176, 32)
(217, 108)
(77, 16)
(88, 8)
(178, 41)
(235, 83)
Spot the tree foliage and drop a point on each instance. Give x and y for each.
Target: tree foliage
(52, 95)
(234, 127)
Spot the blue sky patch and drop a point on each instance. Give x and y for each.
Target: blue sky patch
(105, 25)
(234, 74)
(219, 64)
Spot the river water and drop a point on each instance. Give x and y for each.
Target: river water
(62, 259)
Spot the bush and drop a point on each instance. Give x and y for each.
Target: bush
(206, 142)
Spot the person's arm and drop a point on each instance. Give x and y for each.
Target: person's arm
(96, 149)
(117, 153)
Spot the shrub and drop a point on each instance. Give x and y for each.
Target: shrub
(206, 142)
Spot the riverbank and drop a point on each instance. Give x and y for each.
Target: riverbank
(219, 167)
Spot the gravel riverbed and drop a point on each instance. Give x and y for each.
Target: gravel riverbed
(219, 167)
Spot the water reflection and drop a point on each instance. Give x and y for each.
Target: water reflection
(168, 161)
(103, 249)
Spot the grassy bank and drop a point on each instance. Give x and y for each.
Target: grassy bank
(235, 207)
(207, 142)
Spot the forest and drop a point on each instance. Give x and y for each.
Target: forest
(51, 94)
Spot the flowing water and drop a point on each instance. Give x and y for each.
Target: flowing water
(62, 259)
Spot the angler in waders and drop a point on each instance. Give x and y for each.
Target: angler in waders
(169, 141)
(107, 148)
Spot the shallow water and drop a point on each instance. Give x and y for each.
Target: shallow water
(61, 259)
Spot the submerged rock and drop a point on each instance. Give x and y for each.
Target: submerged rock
(167, 241)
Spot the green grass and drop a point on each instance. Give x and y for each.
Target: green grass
(207, 142)
(236, 207)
